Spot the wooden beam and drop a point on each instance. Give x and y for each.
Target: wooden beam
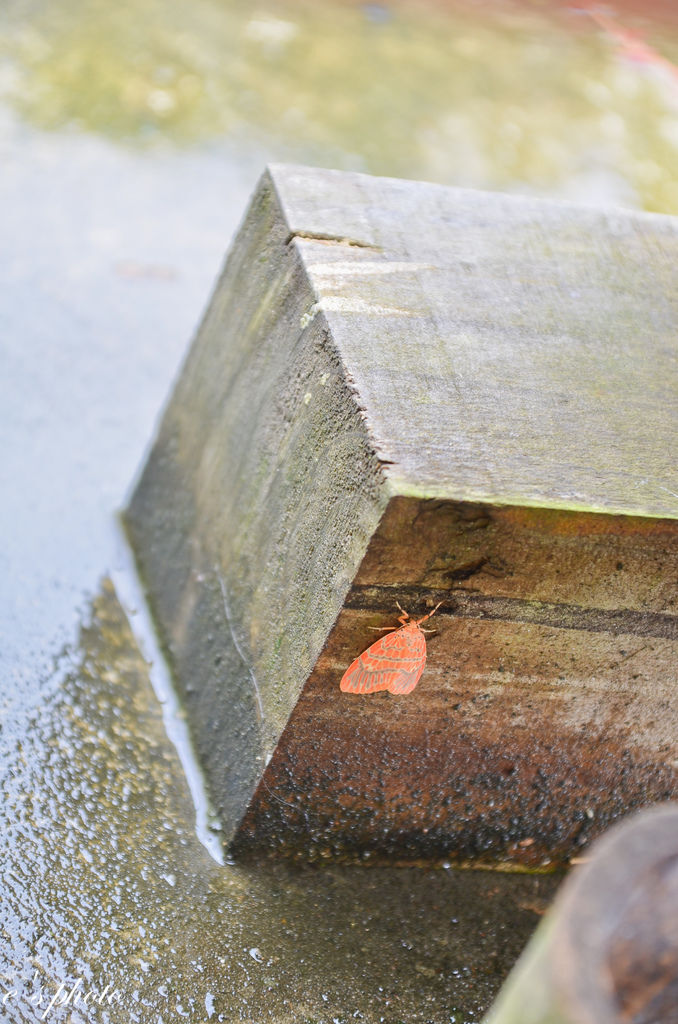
(404, 392)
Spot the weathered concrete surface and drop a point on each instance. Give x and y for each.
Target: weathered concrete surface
(401, 386)
(607, 952)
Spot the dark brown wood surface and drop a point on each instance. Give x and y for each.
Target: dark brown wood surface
(547, 707)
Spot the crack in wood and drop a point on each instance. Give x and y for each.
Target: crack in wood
(461, 604)
(335, 239)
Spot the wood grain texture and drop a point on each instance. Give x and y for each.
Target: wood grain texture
(504, 349)
(547, 709)
(253, 512)
(403, 391)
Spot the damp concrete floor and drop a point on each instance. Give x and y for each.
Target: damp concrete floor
(129, 144)
(106, 884)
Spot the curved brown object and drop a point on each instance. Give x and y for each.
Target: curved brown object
(607, 952)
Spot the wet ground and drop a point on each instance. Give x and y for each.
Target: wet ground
(131, 135)
(105, 883)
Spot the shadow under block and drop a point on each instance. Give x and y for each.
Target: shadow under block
(405, 392)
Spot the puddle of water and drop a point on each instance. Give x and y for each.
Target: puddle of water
(106, 268)
(105, 883)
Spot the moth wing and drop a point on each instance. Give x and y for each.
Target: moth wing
(358, 679)
(405, 682)
(410, 647)
(394, 662)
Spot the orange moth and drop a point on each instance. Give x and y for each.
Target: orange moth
(394, 662)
